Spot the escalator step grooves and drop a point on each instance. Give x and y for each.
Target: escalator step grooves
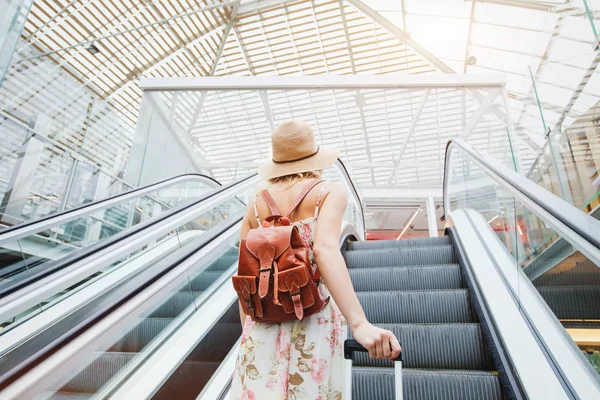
(440, 306)
(436, 346)
(175, 305)
(572, 302)
(385, 244)
(377, 383)
(100, 371)
(400, 256)
(407, 278)
(583, 274)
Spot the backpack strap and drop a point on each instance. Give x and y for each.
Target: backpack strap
(302, 195)
(270, 202)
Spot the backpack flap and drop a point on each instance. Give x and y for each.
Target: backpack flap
(295, 293)
(267, 245)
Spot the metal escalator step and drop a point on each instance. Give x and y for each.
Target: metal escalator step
(232, 314)
(175, 305)
(583, 274)
(141, 335)
(217, 343)
(572, 302)
(407, 278)
(187, 381)
(204, 280)
(400, 256)
(386, 244)
(100, 371)
(223, 263)
(68, 396)
(437, 306)
(436, 346)
(369, 383)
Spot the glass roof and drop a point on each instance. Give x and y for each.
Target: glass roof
(108, 46)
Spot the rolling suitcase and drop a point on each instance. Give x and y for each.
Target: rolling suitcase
(350, 346)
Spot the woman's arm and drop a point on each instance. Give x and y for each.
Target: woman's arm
(381, 343)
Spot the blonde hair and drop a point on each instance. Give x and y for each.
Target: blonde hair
(292, 179)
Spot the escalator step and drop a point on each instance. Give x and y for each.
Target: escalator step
(386, 244)
(204, 280)
(187, 381)
(172, 307)
(232, 314)
(438, 306)
(400, 256)
(436, 346)
(223, 263)
(141, 335)
(572, 302)
(583, 274)
(217, 343)
(407, 278)
(100, 371)
(370, 383)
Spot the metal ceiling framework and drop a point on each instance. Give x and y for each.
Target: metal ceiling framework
(231, 132)
(161, 38)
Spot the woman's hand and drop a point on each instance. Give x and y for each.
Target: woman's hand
(381, 343)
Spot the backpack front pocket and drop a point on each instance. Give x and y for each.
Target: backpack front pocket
(297, 290)
(246, 288)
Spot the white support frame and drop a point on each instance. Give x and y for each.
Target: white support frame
(411, 131)
(431, 217)
(484, 106)
(315, 82)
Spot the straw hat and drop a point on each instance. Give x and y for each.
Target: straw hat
(295, 150)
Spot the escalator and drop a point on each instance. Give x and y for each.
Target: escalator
(163, 330)
(471, 323)
(45, 303)
(416, 289)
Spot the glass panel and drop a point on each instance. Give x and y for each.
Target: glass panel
(566, 279)
(569, 165)
(137, 339)
(40, 177)
(29, 255)
(12, 21)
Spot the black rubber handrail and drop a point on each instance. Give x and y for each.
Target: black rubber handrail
(63, 215)
(41, 347)
(573, 218)
(36, 274)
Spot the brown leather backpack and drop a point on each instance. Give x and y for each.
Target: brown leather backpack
(275, 282)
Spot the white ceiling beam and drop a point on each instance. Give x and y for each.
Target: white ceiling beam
(316, 82)
(409, 135)
(374, 196)
(256, 6)
(228, 28)
(484, 107)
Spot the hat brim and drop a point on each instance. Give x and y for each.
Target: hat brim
(322, 160)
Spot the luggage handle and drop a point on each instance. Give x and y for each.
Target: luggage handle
(351, 346)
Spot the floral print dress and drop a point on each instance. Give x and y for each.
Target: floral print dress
(293, 360)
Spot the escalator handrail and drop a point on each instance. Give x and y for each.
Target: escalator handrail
(14, 285)
(32, 227)
(355, 194)
(583, 228)
(117, 298)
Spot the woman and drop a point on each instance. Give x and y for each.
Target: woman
(304, 359)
